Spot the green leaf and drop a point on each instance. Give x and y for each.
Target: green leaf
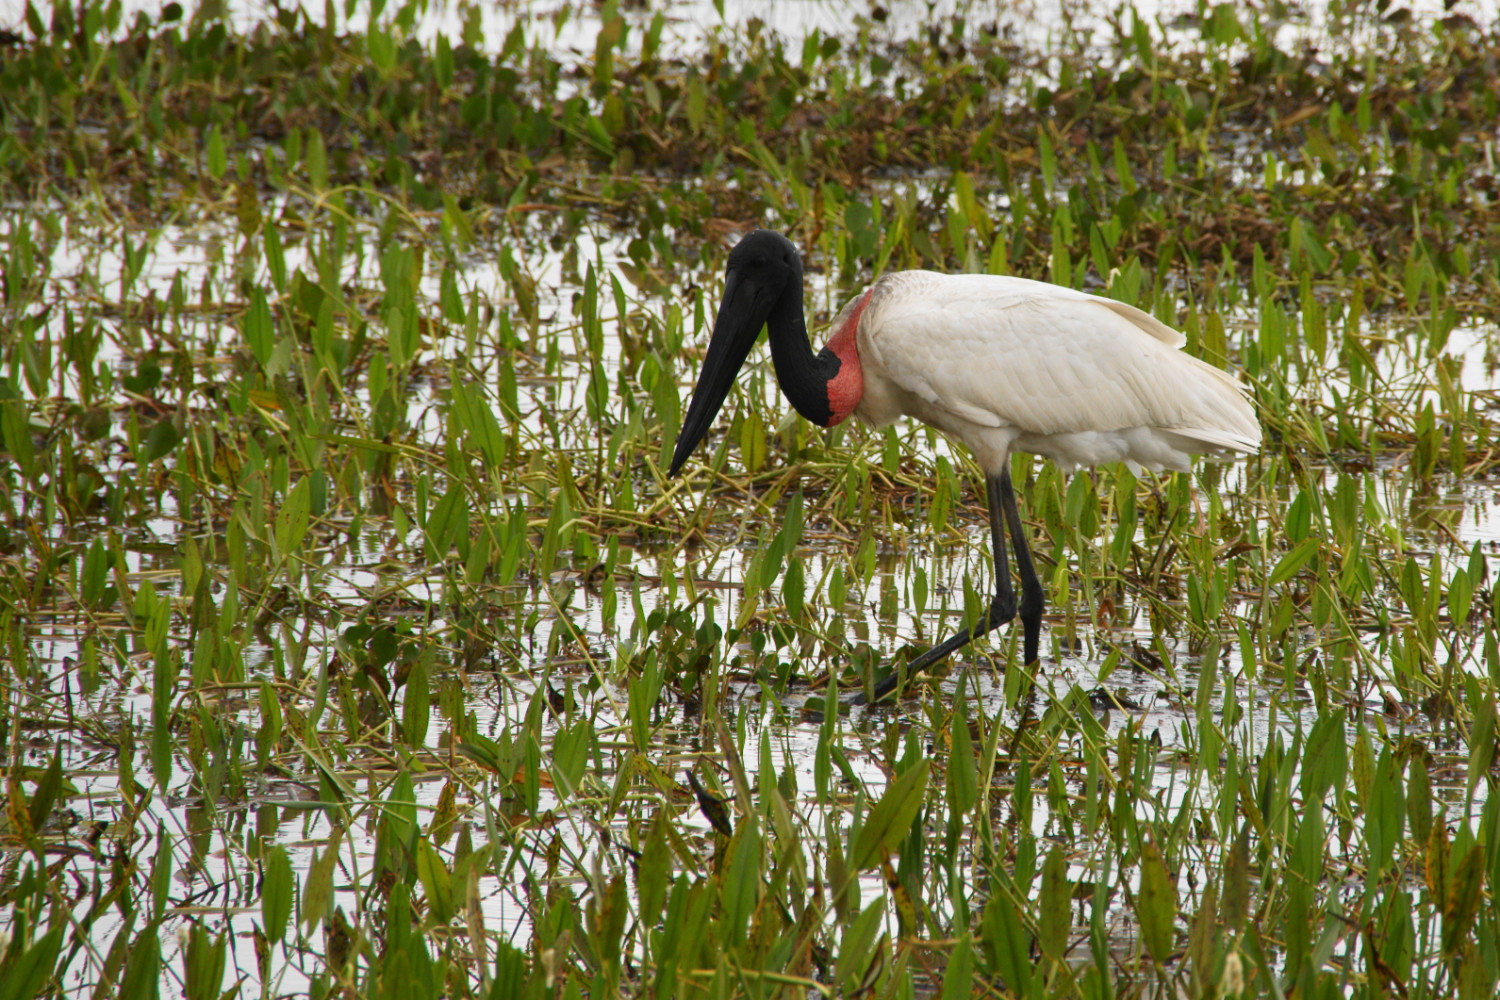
(1325, 760)
(447, 522)
(1007, 943)
(1156, 905)
(654, 870)
(143, 970)
(94, 581)
(570, 754)
(1481, 742)
(890, 819)
(854, 948)
(753, 442)
(478, 422)
(25, 976)
(416, 709)
(271, 723)
(275, 256)
(502, 756)
(204, 964)
(510, 975)
(1289, 564)
(259, 328)
(437, 882)
(1057, 905)
(958, 977)
(442, 62)
(276, 892)
(1462, 904)
(1460, 595)
(793, 585)
(400, 809)
(15, 434)
(610, 910)
(741, 886)
(1235, 902)
(294, 516)
(315, 158)
(47, 787)
(382, 48)
(317, 888)
(643, 697)
(161, 873)
(218, 160)
(1362, 766)
(963, 768)
(164, 686)
(1385, 812)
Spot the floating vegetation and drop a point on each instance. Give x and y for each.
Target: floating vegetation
(355, 642)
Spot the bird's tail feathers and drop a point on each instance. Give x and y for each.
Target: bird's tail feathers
(1215, 442)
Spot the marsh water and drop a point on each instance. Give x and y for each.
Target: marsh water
(574, 331)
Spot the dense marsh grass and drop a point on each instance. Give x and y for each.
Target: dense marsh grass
(355, 643)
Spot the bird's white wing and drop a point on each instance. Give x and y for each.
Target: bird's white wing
(1047, 360)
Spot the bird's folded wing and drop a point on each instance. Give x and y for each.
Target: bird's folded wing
(1005, 352)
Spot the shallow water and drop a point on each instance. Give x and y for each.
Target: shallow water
(565, 638)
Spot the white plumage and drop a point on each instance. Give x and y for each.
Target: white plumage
(1001, 364)
(1007, 364)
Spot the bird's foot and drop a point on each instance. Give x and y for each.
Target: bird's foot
(1003, 610)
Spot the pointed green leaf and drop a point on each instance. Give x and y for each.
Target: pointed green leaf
(276, 892)
(1057, 905)
(1156, 905)
(437, 882)
(890, 819)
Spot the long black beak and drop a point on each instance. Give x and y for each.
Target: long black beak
(742, 315)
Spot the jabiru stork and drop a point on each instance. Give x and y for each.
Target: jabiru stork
(1001, 364)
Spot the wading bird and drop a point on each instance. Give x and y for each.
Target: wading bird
(1002, 364)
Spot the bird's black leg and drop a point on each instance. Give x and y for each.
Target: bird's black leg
(1033, 599)
(1003, 515)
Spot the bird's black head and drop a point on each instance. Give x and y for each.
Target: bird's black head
(763, 268)
(764, 254)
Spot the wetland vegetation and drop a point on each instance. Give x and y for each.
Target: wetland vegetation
(355, 643)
